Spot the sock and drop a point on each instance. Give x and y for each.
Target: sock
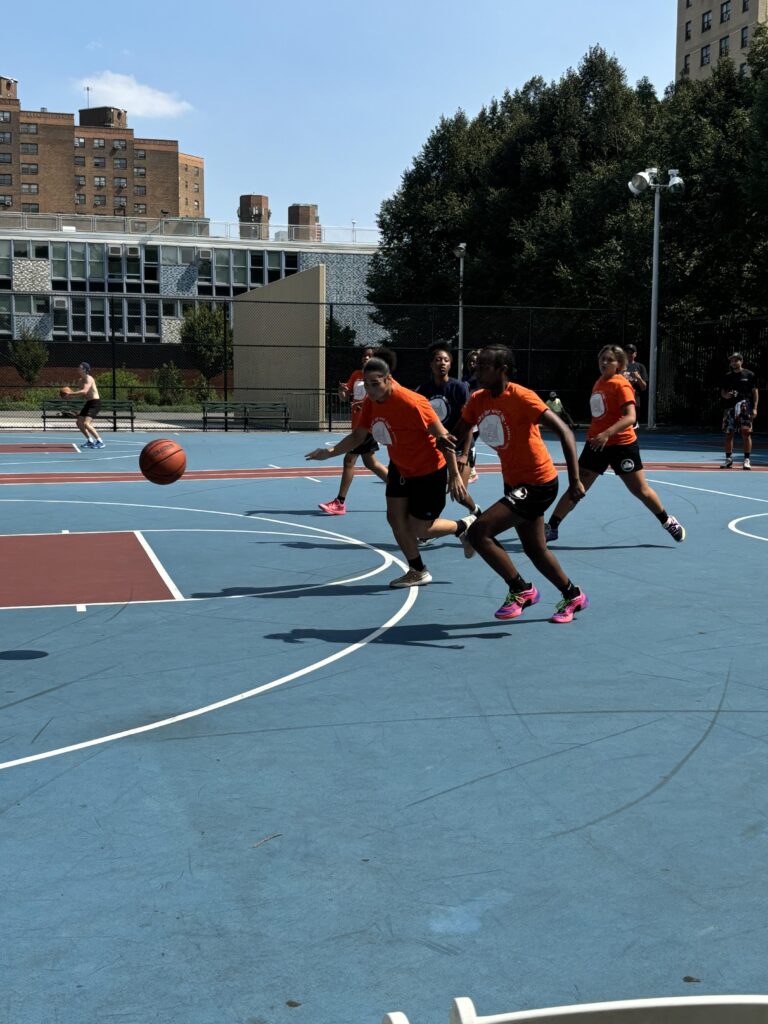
(554, 521)
(662, 516)
(340, 499)
(460, 528)
(570, 591)
(518, 584)
(417, 564)
(729, 455)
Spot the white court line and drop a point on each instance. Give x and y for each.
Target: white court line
(271, 465)
(387, 560)
(410, 598)
(734, 526)
(314, 479)
(79, 607)
(159, 567)
(707, 490)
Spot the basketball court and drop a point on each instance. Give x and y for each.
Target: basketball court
(244, 781)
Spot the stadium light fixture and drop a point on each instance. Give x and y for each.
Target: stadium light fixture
(460, 252)
(638, 184)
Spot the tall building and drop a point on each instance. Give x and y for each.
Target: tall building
(710, 29)
(48, 164)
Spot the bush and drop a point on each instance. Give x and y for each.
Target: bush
(203, 391)
(128, 386)
(168, 385)
(28, 355)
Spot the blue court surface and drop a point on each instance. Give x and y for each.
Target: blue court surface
(284, 792)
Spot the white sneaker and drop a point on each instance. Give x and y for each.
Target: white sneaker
(469, 551)
(747, 464)
(413, 578)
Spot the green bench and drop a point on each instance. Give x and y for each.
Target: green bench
(57, 407)
(247, 413)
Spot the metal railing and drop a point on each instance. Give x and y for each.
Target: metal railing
(187, 227)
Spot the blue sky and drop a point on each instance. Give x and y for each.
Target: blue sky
(316, 102)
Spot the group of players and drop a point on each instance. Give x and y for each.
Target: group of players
(430, 437)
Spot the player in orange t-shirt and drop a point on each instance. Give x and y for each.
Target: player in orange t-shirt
(612, 441)
(508, 418)
(417, 475)
(354, 391)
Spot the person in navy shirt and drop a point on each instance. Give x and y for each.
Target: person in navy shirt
(448, 396)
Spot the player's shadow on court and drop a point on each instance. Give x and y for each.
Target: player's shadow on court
(313, 513)
(603, 547)
(430, 634)
(304, 590)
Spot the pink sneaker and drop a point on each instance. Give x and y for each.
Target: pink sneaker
(514, 603)
(333, 508)
(567, 609)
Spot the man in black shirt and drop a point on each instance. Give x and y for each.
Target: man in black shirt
(637, 375)
(740, 394)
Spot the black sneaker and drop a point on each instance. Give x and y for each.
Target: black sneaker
(728, 464)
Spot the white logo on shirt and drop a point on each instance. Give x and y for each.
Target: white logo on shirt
(440, 406)
(492, 430)
(380, 431)
(358, 390)
(597, 404)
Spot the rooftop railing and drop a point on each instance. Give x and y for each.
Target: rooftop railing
(187, 227)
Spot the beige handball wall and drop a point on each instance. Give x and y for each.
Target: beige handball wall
(279, 346)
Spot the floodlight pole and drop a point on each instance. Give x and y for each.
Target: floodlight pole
(641, 181)
(653, 346)
(460, 252)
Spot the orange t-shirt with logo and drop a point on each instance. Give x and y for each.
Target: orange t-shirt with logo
(605, 403)
(356, 390)
(400, 422)
(509, 423)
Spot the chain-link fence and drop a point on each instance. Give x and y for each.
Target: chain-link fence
(693, 359)
(247, 350)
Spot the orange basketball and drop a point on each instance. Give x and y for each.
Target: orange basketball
(162, 461)
(64, 392)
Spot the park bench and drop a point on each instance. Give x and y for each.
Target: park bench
(247, 413)
(62, 407)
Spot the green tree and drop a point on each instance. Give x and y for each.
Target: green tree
(207, 340)
(168, 384)
(28, 355)
(536, 187)
(339, 335)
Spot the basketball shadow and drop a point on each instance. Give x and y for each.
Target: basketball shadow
(430, 634)
(22, 655)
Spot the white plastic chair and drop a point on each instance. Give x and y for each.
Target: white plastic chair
(674, 1010)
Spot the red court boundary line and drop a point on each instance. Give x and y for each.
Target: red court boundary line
(21, 479)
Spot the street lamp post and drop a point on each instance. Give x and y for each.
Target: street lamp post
(460, 252)
(649, 178)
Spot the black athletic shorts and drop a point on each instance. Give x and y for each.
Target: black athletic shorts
(529, 501)
(91, 408)
(622, 458)
(369, 445)
(425, 494)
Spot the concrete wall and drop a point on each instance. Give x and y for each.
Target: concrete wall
(279, 346)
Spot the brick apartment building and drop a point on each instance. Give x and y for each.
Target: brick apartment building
(710, 29)
(48, 164)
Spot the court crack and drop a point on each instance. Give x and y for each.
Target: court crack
(663, 780)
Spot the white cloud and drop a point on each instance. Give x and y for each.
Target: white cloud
(108, 89)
